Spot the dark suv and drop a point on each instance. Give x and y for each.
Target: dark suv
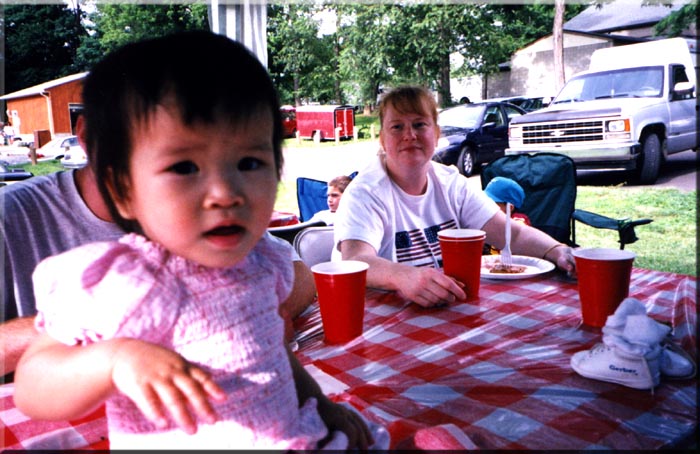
(474, 134)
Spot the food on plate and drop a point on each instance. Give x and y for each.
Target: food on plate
(500, 268)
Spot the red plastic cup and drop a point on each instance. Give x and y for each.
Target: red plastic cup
(461, 257)
(603, 282)
(341, 298)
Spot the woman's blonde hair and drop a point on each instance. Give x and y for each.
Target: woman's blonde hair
(409, 99)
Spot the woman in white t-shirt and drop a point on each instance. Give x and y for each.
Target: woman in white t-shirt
(389, 217)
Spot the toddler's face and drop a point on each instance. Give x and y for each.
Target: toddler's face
(205, 192)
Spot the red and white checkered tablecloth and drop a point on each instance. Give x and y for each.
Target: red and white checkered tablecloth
(494, 374)
(21, 433)
(498, 370)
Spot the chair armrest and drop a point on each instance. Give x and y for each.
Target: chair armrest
(624, 227)
(596, 220)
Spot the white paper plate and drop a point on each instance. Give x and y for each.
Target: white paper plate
(534, 266)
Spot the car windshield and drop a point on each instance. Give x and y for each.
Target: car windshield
(634, 82)
(461, 116)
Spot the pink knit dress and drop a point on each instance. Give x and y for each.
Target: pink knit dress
(222, 319)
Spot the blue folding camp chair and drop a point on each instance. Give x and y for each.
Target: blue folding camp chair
(549, 182)
(311, 196)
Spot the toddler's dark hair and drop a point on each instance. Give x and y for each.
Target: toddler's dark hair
(209, 77)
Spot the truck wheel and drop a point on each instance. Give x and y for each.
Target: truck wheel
(649, 160)
(467, 162)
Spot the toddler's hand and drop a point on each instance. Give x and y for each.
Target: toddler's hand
(340, 418)
(161, 382)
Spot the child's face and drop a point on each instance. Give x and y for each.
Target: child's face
(334, 195)
(205, 192)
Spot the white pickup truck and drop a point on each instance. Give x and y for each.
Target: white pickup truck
(634, 106)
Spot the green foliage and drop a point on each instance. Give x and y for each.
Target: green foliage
(674, 24)
(41, 43)
(302, 63)
(364, 33)
(121, 23)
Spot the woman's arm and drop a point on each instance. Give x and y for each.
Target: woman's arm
(423, 285)
(336, 417)
(60, 382)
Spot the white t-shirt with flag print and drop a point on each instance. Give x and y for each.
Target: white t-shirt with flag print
(401, 227)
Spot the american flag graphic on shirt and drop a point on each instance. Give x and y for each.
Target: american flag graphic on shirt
(420, 247)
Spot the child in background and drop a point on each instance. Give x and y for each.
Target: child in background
(502, 191)
(336, 187)
(176, 325)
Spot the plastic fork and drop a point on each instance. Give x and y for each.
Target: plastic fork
(506, 256)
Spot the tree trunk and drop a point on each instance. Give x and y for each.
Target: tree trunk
(297, 100)
(336, 69)
(444, 95)
(558, 44)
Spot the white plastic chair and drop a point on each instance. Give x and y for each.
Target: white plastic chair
(289, 232)
(314, 244)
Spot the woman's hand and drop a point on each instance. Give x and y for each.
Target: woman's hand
(428, 287)
(161, 382)
(563, 258)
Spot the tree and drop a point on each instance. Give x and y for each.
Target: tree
(302, 63)
(120, 23)
(674, 24)
(41, 43)
(364, 64)
(412, 43)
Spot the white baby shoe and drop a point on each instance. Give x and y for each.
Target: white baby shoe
(630, 353)
(676, 363)
(612, 364)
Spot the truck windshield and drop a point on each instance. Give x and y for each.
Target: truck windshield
(633, 82)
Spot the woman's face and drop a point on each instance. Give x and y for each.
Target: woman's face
(205, 192)
(408, 139)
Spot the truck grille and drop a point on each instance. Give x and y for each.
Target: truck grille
(574, 131)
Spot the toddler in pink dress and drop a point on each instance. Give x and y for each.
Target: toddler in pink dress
(176, 327)
(220, 319)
